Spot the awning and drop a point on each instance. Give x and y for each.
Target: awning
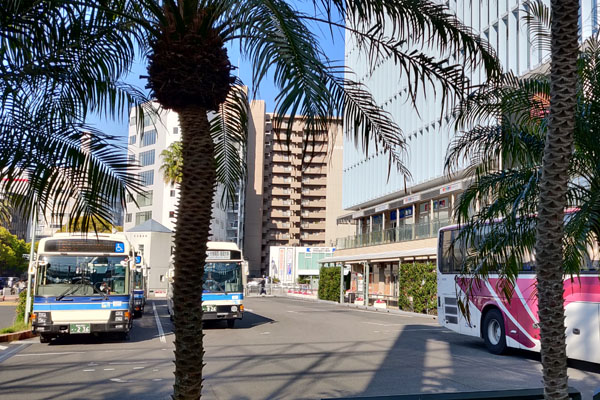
(385, 256)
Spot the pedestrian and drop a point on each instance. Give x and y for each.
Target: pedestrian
(262, 286)
(21, 286)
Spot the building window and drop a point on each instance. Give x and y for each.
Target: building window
(147, 178)
(131, 158)
(148, 138)
(142, 217)
(441, 209)
(128, 218)
(173, 193)
(149, 120)
(424, 209)
(141, 249)
(145, 199)
(176, 130)
(129, 198)
(132, 139)
(171, 214)
(147, 158)
(132, 120)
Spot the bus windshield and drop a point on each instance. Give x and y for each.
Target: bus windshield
(138, 280)
(82, 275)
(222, 277)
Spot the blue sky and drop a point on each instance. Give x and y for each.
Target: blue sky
(333, 47)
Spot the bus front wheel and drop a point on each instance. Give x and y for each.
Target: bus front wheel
(494, 334)
(45, 338)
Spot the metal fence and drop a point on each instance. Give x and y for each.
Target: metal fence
(401, 233)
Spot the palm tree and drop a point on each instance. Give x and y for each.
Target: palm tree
(529, 168)
(189, 72)
(62, 61)
(171, 165)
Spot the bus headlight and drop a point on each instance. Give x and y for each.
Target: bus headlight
(233, 308)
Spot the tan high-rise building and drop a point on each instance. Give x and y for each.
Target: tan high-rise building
(294, 188)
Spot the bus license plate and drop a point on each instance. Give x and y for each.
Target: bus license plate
(209, 308)
(79, 328)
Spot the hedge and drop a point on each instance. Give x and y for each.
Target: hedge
(329, 283)
(418, 288)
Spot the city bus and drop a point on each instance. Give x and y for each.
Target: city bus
(502, 323)
(139, 290)
(223, 288)
(83, 285)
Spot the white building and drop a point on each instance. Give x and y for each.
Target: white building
(154, 242)
(160, 201)
(397, 220)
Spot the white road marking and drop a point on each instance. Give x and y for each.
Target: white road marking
(109, 369)
(127, 362)
(139, 367)
(161, 333)
(156, 380)
(118, 380)
(265, 333)
(154, 370)
(88, 370)
(3, 347)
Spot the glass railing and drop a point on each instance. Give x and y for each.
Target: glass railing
(402, 233)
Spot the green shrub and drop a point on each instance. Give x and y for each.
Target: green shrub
(21, 306)
(329, 283)
(418, 288)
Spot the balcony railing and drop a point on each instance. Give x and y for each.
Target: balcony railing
(401, 233)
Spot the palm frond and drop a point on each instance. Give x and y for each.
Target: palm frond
(229, 130)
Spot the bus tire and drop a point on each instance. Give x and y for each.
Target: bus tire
(45, 338)
(230, 323)
(494, 334)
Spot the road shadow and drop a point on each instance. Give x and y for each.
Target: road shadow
(250, 320)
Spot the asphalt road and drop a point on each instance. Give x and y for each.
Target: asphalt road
(282, 349)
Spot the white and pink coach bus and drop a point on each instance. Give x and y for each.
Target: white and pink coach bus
(502, 323)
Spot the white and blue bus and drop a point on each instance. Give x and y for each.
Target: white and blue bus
(83, 285)
(223, 288)
(140, 287)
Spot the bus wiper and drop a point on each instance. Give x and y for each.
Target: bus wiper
(63, 294)
(100, 292)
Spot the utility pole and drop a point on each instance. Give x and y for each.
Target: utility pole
(31, 269)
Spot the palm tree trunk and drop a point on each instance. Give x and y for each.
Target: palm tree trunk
(193, 221)
(553, 188)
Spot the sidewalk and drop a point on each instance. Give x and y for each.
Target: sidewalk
(10, 300)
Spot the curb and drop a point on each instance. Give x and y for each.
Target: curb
(10, 337)
(366, 308)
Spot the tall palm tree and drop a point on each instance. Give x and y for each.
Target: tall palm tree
(60, 62)
(171, 164)
(548, 162)
(190, 72)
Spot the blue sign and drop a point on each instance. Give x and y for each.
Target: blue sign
(119, 247)
(138, 259)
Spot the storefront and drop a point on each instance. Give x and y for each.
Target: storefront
(377, 272)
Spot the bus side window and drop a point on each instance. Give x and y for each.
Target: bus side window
(446, 261)
(458, 255)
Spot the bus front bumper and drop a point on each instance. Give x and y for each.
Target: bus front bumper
(65, 329)
(222, 315)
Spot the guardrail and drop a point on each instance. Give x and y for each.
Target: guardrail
(282, 290)
(523, 394)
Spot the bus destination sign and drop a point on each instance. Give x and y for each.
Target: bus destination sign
(222, 255)
(84, 246)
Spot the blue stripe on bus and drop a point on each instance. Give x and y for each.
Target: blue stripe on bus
(79, 299)
(222, 296)
(49, 303)
(104, 305)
